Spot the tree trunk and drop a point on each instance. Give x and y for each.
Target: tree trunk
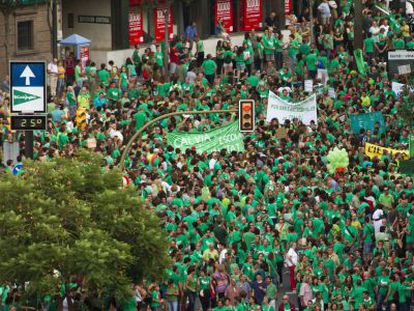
(167, 13)
(358, 31)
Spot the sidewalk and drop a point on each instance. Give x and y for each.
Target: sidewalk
(119, 56)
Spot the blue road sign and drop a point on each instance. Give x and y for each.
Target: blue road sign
(28, 87)
(17, 168)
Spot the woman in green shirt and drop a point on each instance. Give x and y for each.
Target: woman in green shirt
(204, 285)
(123, 81)
(240, 62)
(172, 296)
(156, 299)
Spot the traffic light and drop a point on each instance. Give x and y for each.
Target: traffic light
(81, 118)
(246, 115)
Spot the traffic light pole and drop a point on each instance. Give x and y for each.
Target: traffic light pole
(28, 144)
(138, 133)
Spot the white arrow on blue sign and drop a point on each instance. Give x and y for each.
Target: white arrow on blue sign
(28, 87)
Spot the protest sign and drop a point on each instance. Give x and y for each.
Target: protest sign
(399, 87)
(373, 151)
(305, 111)
(227, 137)
(367, 121)
(309, 86)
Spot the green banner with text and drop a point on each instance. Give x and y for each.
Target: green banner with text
(227, 137)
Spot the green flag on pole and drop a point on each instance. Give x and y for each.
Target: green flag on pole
(359, 59)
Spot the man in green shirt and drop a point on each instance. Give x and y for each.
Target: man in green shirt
(114, 94)
(369, 45)
(103, 76)
(271, 291)
(311, 64)
(209, 67)
(199, 50)
(136, 58)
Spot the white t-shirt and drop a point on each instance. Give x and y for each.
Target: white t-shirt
(292, 257)
(222, 256)
(377, 219)
(52, 68)
(212, 163)
(324, 9)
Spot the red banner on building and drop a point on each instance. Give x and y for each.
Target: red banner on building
(224, 14)
(251, 14)
(159, 21)
(288, 7)
(136, 31)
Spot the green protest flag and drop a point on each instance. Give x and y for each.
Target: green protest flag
(359, 59)
(227, 137)
(411, 147)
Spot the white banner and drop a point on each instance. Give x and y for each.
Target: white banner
(305, 111)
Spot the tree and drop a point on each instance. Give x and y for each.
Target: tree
(66, 220)
(405, 108)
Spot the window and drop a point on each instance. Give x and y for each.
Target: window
(25, 35)
(71, 20)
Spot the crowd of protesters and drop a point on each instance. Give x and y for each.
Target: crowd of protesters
(238, 222)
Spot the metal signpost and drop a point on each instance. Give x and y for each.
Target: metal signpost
(28, 95)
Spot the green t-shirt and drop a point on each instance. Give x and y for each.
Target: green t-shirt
(155, 299)
(114, 94)
(140, 118)
(200, 46)
(398, 43)
(209, 67)
(369, 45)
(268, 44)
(103, 77)
(159, 58)
(311, 61)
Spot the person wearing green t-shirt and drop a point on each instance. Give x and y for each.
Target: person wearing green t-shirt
(368, 235)
(114, 93)
(156, 299)
(369, 45)
(199, 50)
(136, 59)
(209, 67)
(103, 76)
(383, 282)
(159, 57)
(269, 49)
(204, 285)
(278, 44)
(311, 64)
(398, 43)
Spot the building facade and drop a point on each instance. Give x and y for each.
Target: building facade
(25, 33)
(117, 25)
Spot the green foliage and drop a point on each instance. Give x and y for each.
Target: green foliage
(67, 219)
(405, 109)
